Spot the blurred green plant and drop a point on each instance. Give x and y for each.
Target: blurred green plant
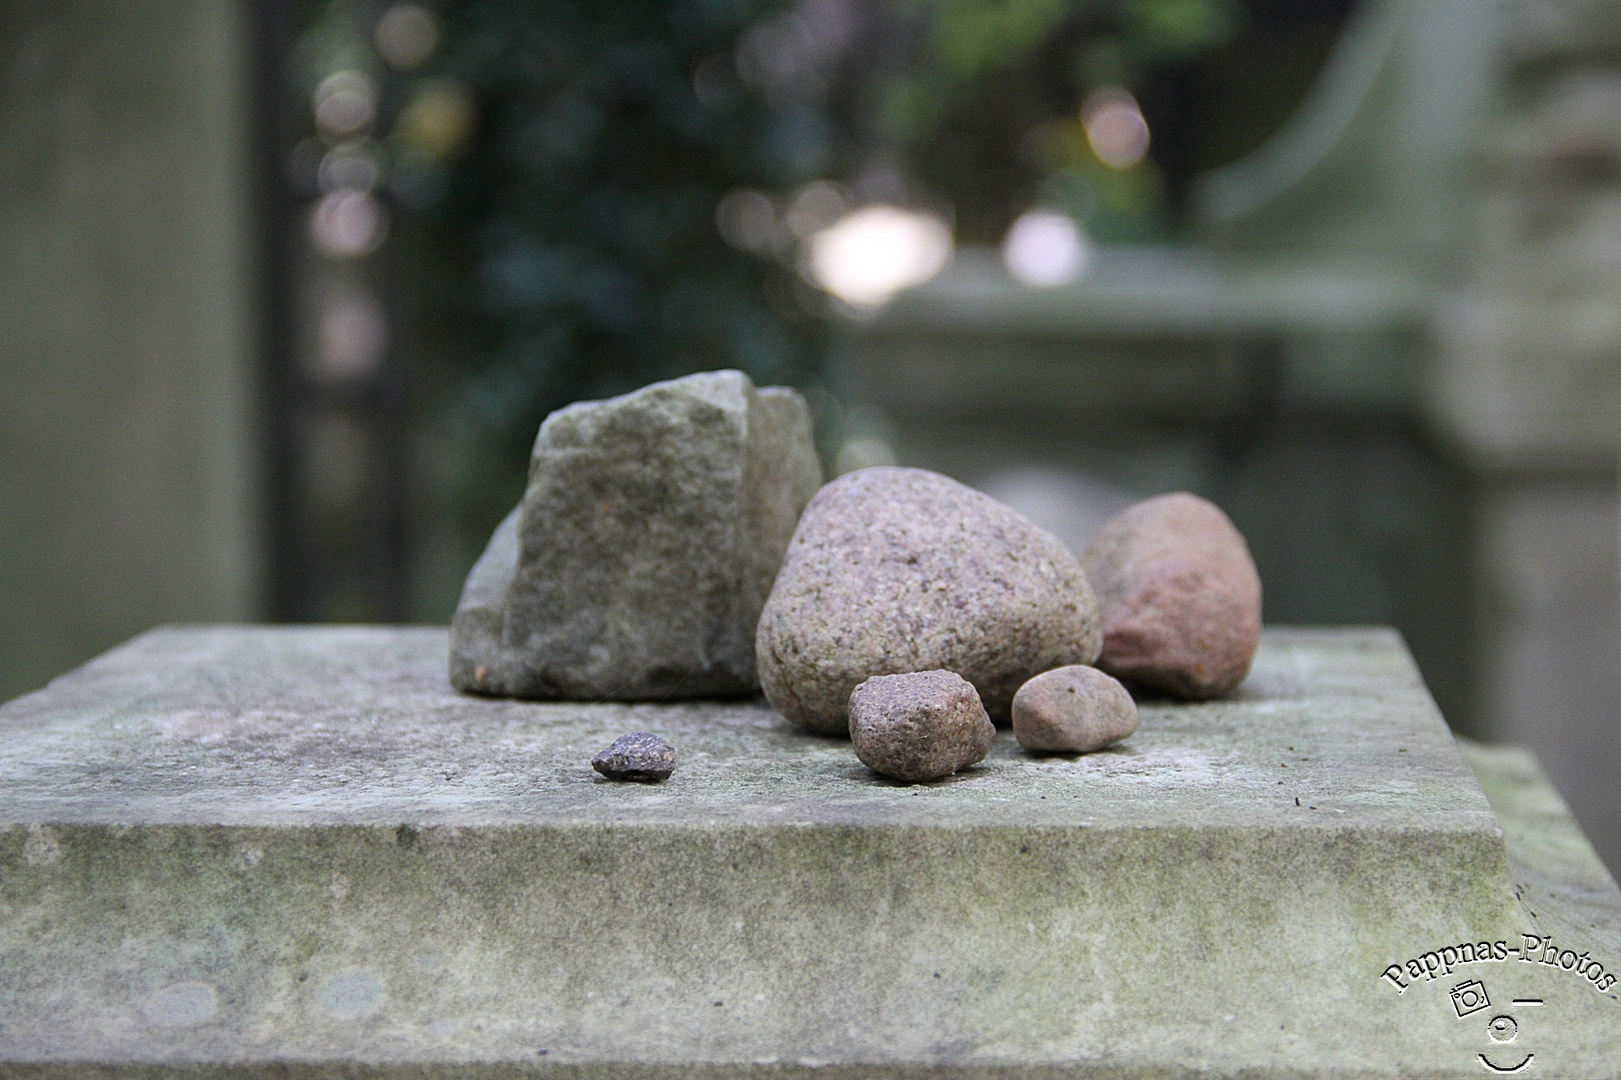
(584, 213)
(562, 165)
(989, 106)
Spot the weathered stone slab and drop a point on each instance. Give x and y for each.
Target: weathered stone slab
(227, 851)
(637, 562)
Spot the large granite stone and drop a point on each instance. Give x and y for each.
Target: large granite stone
(637, 563)
(894, 571)
(299, 853)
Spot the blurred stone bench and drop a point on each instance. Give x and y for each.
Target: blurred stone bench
(245, 851)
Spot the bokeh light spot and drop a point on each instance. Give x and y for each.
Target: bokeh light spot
(348, 223)
(345, 103)
(351, 337)
(815, 206)
(1045, 248)
(873, 253)
(348, 165)
(863, 452)
(747, 219)
(438, 119)
(406, 35)
(1115, 127)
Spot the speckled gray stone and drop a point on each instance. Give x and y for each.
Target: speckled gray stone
(1074, 709)
(897, 570)
(641, 756)
(919, 726)
(1180, 595)
(636, 565)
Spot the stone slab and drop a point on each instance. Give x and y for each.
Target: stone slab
(227, 850)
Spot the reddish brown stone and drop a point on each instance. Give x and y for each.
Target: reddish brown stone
(1180, 596)
(919, 726)
(1074, 709)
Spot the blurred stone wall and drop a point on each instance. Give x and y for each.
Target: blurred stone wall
(127, 470)
(1528, 383)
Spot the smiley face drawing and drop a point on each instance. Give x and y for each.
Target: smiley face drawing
(1502, 1030)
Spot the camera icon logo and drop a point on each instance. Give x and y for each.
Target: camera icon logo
(1470, 997)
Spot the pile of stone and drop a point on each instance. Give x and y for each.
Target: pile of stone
(898, 578)
(669, 544)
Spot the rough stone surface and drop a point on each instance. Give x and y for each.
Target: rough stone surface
(636, 565)
(899, 570)
(299, 852)
(919, 726)
(640, 756)
(1072, 709)
(1180, 596)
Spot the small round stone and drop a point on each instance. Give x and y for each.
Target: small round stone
(919, 726)
(640, 756)
(1074, 709)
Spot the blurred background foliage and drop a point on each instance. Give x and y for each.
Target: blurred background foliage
(591, 196)
(579, 232)
(991, 109)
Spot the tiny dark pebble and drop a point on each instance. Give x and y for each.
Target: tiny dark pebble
(640, 756)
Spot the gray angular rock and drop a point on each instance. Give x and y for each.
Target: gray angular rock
(898, 570)
(640, 756)
(648, 538)
(1073, 709)
(1180, 594)
(919, 726)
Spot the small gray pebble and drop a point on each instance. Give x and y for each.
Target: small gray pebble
(919, 726)
(640, 756)
(1074, 709)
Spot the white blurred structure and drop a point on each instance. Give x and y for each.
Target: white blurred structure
(1071, 505)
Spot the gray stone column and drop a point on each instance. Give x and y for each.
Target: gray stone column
(127, 467)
